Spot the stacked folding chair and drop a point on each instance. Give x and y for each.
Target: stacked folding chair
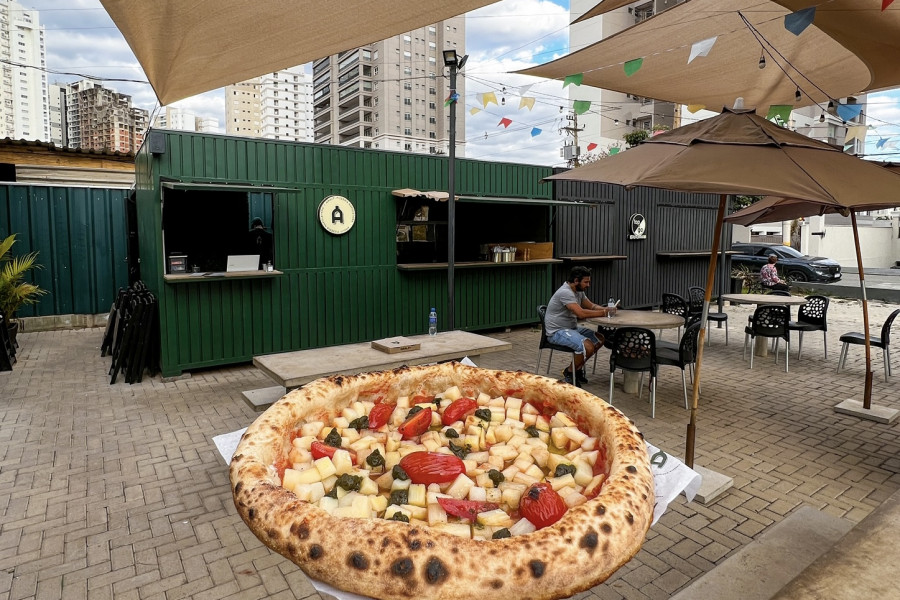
(132, 334)
(7, 347)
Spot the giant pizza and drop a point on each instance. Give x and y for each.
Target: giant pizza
(446, 481)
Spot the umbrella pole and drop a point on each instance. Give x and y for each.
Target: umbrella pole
(867, 394)
(710, 281)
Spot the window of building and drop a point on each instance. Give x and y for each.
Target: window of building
(432, 135)
(432, 120)
(407, 146)
(407, 70)
(407, 117)
(407, 101)
(407, 85)
(407, 54)
(432, 91)
(432, 105)
(407, 131)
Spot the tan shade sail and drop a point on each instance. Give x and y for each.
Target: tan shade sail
(602, 8)
(739, 152)
(187, 48)
(851, 47)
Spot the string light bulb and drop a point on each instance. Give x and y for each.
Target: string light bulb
(762, 59)
(560, 109)
(830, 104)
(797, 95)
(616, 121)
(502, 101)
(822, 117)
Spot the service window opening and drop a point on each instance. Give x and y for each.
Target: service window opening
(202, 228)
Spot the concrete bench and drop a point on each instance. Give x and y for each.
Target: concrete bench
(262, 398)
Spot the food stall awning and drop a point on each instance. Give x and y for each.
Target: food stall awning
(224, 187)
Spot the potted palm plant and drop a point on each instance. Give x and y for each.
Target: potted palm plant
(15, 291)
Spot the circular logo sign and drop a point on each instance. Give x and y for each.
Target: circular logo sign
(337, 215)
(637, 227)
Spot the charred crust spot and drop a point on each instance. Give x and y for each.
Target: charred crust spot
(537, 568)
(338, 380)
(402, 567)
(414, 531)
(251, 514)
(520, 571)
(238, 456)
(238, 487)
(435, 571)
(316, 552)
(357, 560)
(271, 533)
(292, 549)
(605, 547)
(601, 510)
(385, 542)
(429, 544)
(589, 541)
(496, 583)
(415, 544)
(606, 528)
(301, 530)
(631, 469)
(454, 550)
(630, 518)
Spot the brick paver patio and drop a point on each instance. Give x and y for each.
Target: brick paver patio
(118, 491)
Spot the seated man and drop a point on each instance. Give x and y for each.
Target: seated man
(768, 276)
(567, 305)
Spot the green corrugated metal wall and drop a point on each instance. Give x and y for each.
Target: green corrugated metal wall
(335, 289)
(80, 235)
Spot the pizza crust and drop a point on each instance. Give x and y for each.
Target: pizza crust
(392, 560)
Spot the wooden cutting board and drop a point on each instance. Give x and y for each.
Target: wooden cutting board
(393, 345)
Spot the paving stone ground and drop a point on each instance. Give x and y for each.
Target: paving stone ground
(117, 491)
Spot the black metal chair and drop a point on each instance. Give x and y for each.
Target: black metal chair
(882, 342)
(771, 322)
(696, 295)
(675, 305)
(812, 316)
(684, 356)
(545, 343)
(634, 349)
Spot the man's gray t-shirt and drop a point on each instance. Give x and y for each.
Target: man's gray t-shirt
(558, 316)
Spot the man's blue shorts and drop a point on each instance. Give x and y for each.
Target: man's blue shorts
(574, 339)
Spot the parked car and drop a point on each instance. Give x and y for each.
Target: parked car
(791, 263)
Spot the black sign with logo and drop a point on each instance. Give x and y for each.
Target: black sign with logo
(637, 227)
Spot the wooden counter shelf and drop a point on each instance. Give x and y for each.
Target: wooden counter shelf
(219, 276)
(593, 257)
(689, 253)
(475, 264)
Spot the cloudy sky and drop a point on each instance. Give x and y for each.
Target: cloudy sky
(509, 35)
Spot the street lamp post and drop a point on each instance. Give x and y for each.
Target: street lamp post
(455, 63)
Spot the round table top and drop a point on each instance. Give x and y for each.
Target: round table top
(640, 318)
(760, 299)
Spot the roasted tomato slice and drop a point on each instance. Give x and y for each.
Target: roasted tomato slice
(432, 467)
(319, 450)
(423, 400)
(458, 410)
(466, 509)
(541, 505)
(379, 415)
(416, 424)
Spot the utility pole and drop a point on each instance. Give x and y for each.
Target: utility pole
(571, 152)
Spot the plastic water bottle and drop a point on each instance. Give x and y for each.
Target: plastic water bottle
(610, 308)
(432, 322)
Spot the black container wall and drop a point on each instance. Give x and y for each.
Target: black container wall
(675, 223)
(333, 289)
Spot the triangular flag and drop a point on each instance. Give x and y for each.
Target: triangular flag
(692, 108)
(479, 98)
(890, 145)
(573, 79)
(474, 110)
(591, 146)
(454, 97)
(796, 22)
(701, 48)
(581, 106)
(848, 112)
(535, 131)
(633, 66)
(780, 113)
(488, 98)
(857, 132)
(524, 89)
(657, 132)
(613, 150)
(880, 143)
(505, 122)
(529, 102)
(885, 4)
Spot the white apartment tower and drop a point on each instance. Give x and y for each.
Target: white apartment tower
(274, 106)
(614, 114)
(24, 110)
(390, 95)
(182, 119)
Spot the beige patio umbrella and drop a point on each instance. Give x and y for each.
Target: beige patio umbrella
(772, 209)
(739, 152)
(850, 48)
(186, 48)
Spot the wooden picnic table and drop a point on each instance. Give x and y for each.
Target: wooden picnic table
(293, 369)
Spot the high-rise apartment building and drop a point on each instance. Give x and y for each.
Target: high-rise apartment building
(390, 95)
(274, 106)
(614, 114)
(56, 102)
(175, 117)
(24, 111)
(100, 118)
